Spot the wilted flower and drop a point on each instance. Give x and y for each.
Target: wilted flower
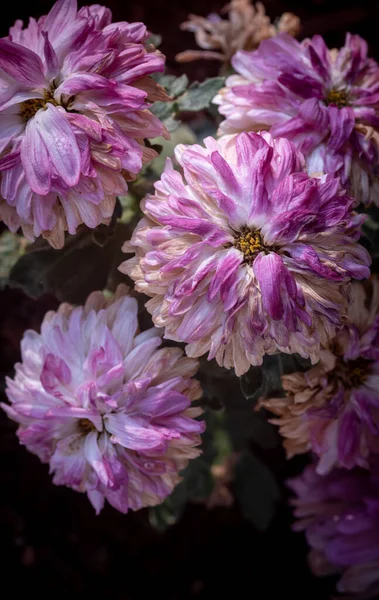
(103, 406)
(246, 254)
(74, 113)
(247, 25)
(333, 408)
(325, 101)
(340, 515)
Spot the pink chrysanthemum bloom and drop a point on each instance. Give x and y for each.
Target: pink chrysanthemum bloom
(325, 101)
(74, 97)
(109, 411)
(333, 409)
(246, 254)
(340, 515)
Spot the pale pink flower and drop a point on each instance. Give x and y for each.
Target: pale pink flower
(109, 411)
(245, 254)
(325, 101)
(74, 98)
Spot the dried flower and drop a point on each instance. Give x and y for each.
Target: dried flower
(333, 408)
(325, 101)
(75, 93)
(247, 25)
(103, 406)
(246, 254)
(340, 515)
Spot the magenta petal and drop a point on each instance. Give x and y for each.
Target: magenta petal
(21, 63)
(80, 82)
(60, 142)
(269, 271)
(59, 18)
(98, 463)
(35, 159)
(342, 123)
(9, 161)
(129, 433)
(50, 58)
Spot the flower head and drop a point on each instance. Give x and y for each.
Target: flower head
(325, 101)
(75, 93)
(333, 408)
(247, 25)
(340, 515)
(109, 411)
(246, 254)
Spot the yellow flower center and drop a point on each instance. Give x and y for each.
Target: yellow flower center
(338, 97)
(29, 108)
(351, 373)
(86, 426)
(249, 242)
(357, 372)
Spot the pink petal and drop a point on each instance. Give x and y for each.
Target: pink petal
(22, 64)
(59, 140)
(35, 159)
(128, 432)
(60, 17)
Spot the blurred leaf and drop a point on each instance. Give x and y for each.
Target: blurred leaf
(256, 490)
(182, 135)
(155, 39)
(196, 97)
(88, 262)
(12, 246)
(173, 85)
(164, 110)
(246, 426)
(199, 95)
(222, 389)
(129, 207)
(252, 382)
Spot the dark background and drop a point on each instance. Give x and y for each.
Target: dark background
(51, 541)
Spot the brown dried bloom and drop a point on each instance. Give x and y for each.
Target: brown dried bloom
(246, 26)
(304, 391)
(333, 408)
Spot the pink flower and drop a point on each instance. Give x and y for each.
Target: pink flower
(74, 93)
(325, 101)
(103, 406)
(333, 408)
(340, 515)
(246, 254)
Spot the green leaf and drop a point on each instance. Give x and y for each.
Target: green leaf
(256, 490)
(174, 86)
(199, 95)
(155, 39)
(12, 246)
(163, 110)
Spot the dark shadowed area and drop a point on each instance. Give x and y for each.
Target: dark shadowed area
(51, 541)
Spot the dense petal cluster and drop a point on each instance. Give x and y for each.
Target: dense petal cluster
(246, 26)
(74, 98)
(333, 408)
(246, 254)
(340, 515)
(325, 101)
(109, 411)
